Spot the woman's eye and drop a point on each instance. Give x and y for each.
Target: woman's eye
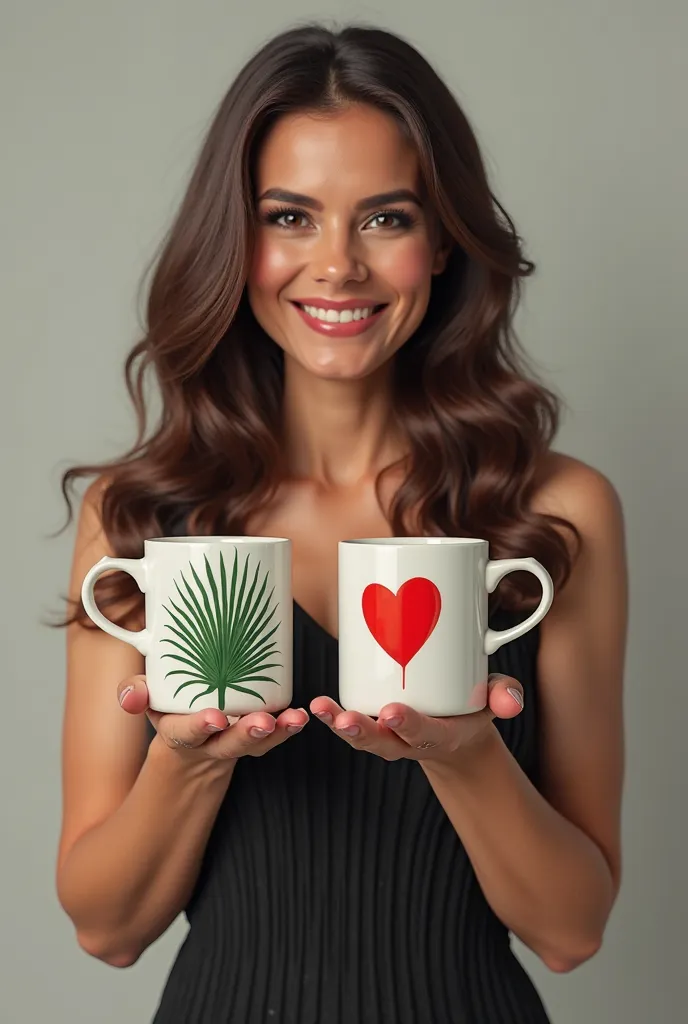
(391, 219)
(290, 220)
(383, 217)
(285, 218)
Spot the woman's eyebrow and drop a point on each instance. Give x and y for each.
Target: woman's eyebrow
(399, 195)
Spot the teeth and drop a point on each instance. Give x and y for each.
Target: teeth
(332, 316)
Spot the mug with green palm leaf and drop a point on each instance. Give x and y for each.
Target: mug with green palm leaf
(218, 629)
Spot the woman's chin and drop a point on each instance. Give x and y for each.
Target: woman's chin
(340, 373)
(339, 365)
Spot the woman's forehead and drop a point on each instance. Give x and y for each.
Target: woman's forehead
(358, 148)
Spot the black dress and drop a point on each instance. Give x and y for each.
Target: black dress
(334, 889)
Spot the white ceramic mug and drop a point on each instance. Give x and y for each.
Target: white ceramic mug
(218, 630)
(413, 622)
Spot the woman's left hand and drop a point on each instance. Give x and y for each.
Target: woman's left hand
(402, 732)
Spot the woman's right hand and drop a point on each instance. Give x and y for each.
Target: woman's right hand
(208, 733)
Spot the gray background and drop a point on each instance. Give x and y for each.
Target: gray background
(580, 107)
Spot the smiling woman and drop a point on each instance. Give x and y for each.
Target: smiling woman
(330, 329)
(337, 239)
(352, 182)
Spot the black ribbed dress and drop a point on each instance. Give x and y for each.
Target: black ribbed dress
(334, 889)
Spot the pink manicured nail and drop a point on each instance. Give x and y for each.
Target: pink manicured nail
(325, 717)
(258, 733)
(124, 693)
(294, 728)
(392, 723)
(211, 727)
(351, 730)
(516, 694)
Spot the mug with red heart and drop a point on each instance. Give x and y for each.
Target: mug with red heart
(413, 622)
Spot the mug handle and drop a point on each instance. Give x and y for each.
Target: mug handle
(136, 567)
(494, 572)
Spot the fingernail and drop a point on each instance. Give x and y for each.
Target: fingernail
(516, 694)
(350, 730)
(294, 728)
(211, 727)
(392, 723)
(325, 717)
(124, 693)
(258, 733)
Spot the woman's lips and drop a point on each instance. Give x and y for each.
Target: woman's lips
(346, 330)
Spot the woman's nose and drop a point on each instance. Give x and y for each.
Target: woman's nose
(337, 258)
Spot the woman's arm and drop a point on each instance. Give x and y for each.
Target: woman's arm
(549, 863)
(127, 878)
(136, 817)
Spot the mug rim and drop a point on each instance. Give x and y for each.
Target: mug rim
(217, 539)
(409, 542)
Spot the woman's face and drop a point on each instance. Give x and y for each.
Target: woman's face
(341, 220)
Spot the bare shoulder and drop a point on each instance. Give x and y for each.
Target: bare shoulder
(90, 541)
(576, 491)
(583, 496)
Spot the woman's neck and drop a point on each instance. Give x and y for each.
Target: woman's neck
(338, 432)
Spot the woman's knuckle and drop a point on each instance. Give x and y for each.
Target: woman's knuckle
(180, 742)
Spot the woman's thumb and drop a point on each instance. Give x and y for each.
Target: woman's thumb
(132, 694)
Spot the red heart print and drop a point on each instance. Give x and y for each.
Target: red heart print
(401, 623)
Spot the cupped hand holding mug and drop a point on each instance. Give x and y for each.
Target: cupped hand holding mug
(414, 643)
(212, 734)
(217, 642)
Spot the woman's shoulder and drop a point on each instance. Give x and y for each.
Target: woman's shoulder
(576, 491)
(90, 528)
(95, 492)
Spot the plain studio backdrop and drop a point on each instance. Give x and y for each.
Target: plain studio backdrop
(580, 109)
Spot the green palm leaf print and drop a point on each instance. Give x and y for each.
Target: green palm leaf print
(222, 630)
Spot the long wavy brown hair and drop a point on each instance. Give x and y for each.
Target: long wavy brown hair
(477, 420)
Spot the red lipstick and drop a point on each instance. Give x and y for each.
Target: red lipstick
(339, 330)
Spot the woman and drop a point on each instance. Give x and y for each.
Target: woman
(349, 869)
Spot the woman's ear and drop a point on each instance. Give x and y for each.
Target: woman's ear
(440, 261)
